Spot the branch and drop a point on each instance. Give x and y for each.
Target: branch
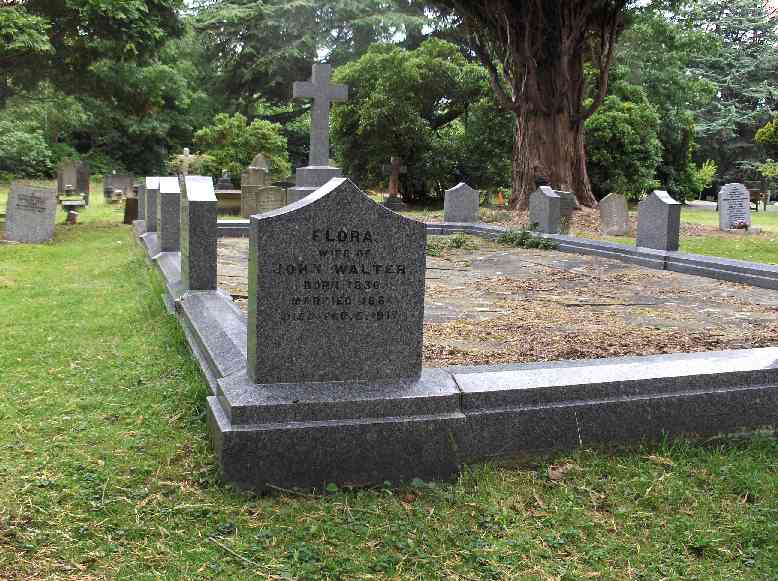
(494, 75)
(609, 30)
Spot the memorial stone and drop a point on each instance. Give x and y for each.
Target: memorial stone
(567, 204)
(141, 200)
(152, 191)
(169, 214)
(66, 176)
(734, 207)
(545, 210)
(198, 234)
(83, 180)
(30, 213)
(319, 170)
(659, 222)
(614, 215)
(461, 204)
(256, 176)
(336, 291)
(113, 182)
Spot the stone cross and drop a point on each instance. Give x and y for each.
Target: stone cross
(393, 170)
(323, 94)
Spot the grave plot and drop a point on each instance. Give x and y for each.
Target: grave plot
(492, 304)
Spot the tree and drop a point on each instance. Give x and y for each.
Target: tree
(402, 103)
(623, 145)
(535, 53)
(23, 40)
(232, 143)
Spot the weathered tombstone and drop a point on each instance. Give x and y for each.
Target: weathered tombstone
(256, 176)
(83, 180)
(461, 204)
(198, 234)
(319, 170)
(225, 181)
(545, 210)
(30, 213)
(394, 170)
(568, 204)
(269, 198)
(152, 191)
(66, 175)
(169, 214)
(614, 215)
(734, 207)
(659, 222)
(113, 182)
(340, 275)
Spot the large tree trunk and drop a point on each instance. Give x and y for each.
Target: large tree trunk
(551, 146)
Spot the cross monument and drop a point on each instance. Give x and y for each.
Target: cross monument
(323, 94)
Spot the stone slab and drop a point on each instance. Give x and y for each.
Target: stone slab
(614, 215)
(659, 222)
(30, 214)
(169, 214)
(199, 232)
(734, 206)
(461, 204)
(152, 190)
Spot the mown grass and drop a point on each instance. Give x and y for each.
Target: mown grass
(106, 469)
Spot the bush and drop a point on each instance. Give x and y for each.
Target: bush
(525, 239)
(24, 153)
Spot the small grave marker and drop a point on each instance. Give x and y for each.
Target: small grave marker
(659, 222)
(734, 207)
(614, 215)
(461, 204)
(545, 206)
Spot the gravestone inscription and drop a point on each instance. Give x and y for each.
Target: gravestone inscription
(336, 290)
(614, 215)
(460, 204)
(734, 207)
(30, 213)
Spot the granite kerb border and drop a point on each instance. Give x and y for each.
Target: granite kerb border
(730, 270)
(507, 410)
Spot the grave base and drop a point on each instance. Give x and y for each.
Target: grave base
(308, 435)
(310, 178)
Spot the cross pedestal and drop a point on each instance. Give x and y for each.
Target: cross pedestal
(394, 170)
(318, 171)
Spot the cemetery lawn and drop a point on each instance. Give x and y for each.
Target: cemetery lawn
(106, 470)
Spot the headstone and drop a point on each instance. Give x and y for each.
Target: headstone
(254, 178)
(152, 191)
(394, 169)
(545, 210)
(83, 180)
(659, 222)
(66, 175)
(461, 204)
(614, 215)
(568, 204)
(169, 214)
(130, 210)
(319, 170)
(187, 159)
(336, 290)
(734, 207)
(113, 182)
(30, 213)
(198, 234)
(225, 182)
(141, 195)
(269, 198)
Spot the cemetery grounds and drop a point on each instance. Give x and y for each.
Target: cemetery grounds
(107, 470)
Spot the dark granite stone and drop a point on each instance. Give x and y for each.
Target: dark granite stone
(30, 213)
(659, 222)
(198, 234)
(169, 214)
(152, 190)
(142, 200)
(336, 290)
(130, 210)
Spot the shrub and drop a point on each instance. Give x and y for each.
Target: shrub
(525, 239)
(24, 153)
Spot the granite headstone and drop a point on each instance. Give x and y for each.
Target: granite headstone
(198, 234)
(734, 207)
(461, 204)
(659, 222)
(30, 213)
(545, 210)
(152, 190)
(121, 182)
(169, 214)
(336, 290)
(614, 215)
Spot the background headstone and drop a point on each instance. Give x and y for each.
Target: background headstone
(659, 222)
(169, 214)
(30, 213)
(113, 182)
(198, 234)
(83, 178)
(336, 291)
(152, 190)
(545, 207)
(66, 175)
(254, 178)
(461, 204)
(142, 200)
(614, 215)
(225, 181)
(734, 206)
(568, 204)
(130, 210)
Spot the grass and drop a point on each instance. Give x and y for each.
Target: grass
(767, 221)
(106, 469)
